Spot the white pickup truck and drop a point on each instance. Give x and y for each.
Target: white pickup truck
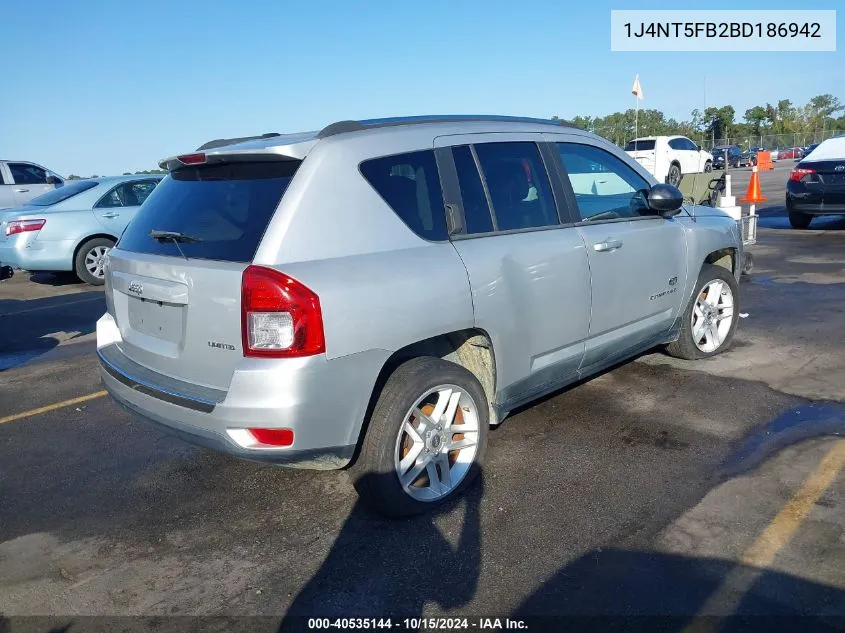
(667, 158)
(21, 181)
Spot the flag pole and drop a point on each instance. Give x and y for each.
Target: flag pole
(637, 91)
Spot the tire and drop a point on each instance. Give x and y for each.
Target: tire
(674, 176)
(708, 167)
(798, 220)
(91, 251)
(692, 346)
(421, 383)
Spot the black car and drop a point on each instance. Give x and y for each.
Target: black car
(733, 153)
(817, 186)
(6, 272)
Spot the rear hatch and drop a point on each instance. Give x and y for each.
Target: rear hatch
(642, 152)
(177, 299)
(829, 180)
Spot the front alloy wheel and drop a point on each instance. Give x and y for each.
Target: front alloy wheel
(712, 316)
(709, 321)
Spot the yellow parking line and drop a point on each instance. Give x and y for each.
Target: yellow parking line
(728, 595)
(785, 524)
(52, 407)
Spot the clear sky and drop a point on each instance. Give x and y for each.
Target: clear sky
(107, 86)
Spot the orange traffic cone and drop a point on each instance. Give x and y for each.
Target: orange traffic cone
(754, 195)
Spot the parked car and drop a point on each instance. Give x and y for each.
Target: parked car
(793, 153)
(72, 228)
(6, 272)
(748, 158)
(732, 152)
(667, 158)
(21, 181)
(810, 148)
(380, 292)
(817, 184)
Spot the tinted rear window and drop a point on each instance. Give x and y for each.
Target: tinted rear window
(63, 193)
(226, 206)
(636, 146)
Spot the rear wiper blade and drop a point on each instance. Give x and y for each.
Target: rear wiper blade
(176, 237)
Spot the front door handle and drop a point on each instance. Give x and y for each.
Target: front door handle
(110, 214)
(608, 245)
(22, 190)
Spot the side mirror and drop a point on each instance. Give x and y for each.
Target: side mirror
(698, 147)
(52, 180)
(665, 200)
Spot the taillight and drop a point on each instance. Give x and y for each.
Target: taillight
(22, 226)
(798, 173)
(280, 317)
(191, 159)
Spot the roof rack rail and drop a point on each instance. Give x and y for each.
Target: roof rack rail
(222, 142)
(343, 127)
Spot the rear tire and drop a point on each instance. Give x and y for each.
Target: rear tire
(674, 176)
(412, 397)
(703, 333)
(799, 220)
(708, 167)
(88, 263)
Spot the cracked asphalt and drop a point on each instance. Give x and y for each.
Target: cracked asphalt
(633, 498)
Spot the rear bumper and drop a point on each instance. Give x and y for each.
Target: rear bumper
(323, 401)
(798, 198)
(26, 252)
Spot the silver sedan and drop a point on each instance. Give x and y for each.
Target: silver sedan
(72, 227)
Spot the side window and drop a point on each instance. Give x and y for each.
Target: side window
(605, 187)
(676, 143)
(689, 145)
(476, 210)
(410, 184)
(143, 189)
(518, 185)
(24, 174)
(111, 199)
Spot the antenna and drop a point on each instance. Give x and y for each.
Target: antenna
(695, 178)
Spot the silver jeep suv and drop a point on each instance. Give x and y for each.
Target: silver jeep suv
(378, 293)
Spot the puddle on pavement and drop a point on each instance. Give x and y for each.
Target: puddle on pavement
(804, 422)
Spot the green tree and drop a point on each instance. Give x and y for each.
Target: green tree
(755, 117)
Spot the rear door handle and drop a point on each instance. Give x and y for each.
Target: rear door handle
(110, 214)
(608, 245)
(21, 190)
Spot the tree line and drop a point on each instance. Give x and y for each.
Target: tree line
(819, 114)
(126, 173)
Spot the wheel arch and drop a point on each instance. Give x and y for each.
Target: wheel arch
(88, 238)
(471, 348)
(724, 257)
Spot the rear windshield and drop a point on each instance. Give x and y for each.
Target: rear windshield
(225, 207)
(63, 193)
(635, 146)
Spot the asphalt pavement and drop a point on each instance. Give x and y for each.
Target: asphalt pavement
(655, 492)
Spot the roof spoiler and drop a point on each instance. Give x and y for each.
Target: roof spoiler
(223, 142)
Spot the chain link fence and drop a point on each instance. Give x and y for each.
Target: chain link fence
(772, 141)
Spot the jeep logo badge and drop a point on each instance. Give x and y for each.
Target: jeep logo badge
(135, 287)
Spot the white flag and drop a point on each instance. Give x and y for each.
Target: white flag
(637, 90)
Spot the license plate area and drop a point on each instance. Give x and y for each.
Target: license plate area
(158, 319)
